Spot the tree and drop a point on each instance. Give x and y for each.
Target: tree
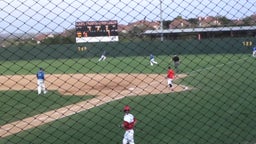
(58, 39)
(193, 21)
(224, 20)
(166, 24)
(178, 17)
(249, 21)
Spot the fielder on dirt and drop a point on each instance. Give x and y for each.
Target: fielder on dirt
(170, 77)
(128, 124)
(40, 82)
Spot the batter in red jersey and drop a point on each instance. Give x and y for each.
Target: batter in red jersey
(128, 124)
(170, 77)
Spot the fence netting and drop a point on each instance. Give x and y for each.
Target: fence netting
(140, 71)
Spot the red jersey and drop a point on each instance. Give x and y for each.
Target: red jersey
(170, 74)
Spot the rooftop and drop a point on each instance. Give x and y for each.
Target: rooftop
(209, 29)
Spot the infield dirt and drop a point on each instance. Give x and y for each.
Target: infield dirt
(105, 88)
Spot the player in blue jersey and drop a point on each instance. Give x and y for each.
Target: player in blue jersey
(40, 82)
(152, 59)
(254, 51)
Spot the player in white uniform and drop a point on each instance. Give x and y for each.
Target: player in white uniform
(128, 124)
(103, 56)
(40, 81)
(254, 51)
(152, 59)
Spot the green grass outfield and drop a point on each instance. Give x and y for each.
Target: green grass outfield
(132, 64)
(221, 108)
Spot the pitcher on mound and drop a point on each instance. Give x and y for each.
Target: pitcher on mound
(170, 77)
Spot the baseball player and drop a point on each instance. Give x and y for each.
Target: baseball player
(128, 124)
(254, 51)
(40, 81)
(102, 57)
(152, 59)
(170, 77)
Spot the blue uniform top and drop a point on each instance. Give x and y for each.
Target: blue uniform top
(254, 49)
(151, 56)
(40, 74)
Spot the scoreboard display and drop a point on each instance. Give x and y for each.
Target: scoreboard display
(96, 31)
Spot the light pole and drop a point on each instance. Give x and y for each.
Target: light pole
(161, 21)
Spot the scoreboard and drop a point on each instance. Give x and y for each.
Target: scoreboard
(96, 31)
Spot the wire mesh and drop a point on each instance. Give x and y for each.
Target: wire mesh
(139, 71)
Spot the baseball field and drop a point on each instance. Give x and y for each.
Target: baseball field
(85, 97)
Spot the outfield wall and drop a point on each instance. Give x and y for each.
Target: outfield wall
(116, 49)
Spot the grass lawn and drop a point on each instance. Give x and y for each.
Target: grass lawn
(16, 105)
(220, 109)
(138, 64)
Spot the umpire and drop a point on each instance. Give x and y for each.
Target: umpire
(176, 62)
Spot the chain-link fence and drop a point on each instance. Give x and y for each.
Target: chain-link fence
(101, 71)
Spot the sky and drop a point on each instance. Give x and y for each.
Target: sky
(40, 16)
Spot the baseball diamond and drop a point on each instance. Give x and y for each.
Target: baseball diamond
(106, 88)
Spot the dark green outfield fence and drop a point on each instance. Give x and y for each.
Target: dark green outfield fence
(126, 49)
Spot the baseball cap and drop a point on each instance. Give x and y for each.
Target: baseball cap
(127, 108)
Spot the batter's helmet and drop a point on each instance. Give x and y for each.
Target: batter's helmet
(127, 108)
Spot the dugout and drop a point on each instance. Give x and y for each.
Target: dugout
(202, 33)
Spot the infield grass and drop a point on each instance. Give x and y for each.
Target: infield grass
(220, 109)
(17, 105)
